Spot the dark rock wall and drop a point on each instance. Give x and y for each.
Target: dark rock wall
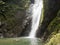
(27, 29)
(51, 7)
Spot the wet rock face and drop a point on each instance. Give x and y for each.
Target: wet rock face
(32, 1)
(13, 26)
(27, 28)
(51, 7)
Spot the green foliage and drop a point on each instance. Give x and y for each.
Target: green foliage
(54, 26)
(1, 2)
(8, 11)
(55, 40)
(54, 31)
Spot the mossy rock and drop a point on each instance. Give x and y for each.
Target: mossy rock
(54, 26)
(55, 40)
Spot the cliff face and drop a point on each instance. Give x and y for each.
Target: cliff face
(14, 22)
(51, 8)
(13, 17)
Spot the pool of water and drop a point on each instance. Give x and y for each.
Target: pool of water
(20, 41)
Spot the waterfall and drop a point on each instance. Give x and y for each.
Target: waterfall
(36, 14)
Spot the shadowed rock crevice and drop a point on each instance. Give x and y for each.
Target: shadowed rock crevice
(26, 29)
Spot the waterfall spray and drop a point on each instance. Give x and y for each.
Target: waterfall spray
(36, 14)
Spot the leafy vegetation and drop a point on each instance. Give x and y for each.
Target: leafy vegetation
(12, 15)
(54, 31)
(54, 26)
(55, 40)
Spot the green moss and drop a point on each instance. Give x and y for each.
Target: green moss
(42, 16)
(54, 31)
(55, 40)
(54, 26)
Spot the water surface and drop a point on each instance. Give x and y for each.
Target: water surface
(20, 41)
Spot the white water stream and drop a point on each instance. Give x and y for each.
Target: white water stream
(36, 11)
(36, 14)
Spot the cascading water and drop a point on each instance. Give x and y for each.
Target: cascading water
(36, 14)
(36, 10)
